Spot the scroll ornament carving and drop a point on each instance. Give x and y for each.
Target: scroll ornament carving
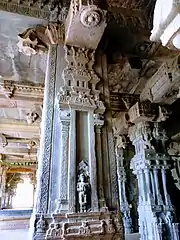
(37, 40)
(3, 140)
(91, 16)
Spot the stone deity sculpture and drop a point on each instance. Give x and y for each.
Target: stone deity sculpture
(83, 187)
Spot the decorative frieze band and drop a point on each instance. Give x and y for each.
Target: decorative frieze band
(21, 90)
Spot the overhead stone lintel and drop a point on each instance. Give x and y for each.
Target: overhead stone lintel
(21, 90)
(163, 86)
(121, 102)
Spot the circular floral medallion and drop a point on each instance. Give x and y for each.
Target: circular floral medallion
(91, 17)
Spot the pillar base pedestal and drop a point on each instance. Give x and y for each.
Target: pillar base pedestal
(89, 225)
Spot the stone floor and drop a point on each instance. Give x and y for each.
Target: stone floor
(20, 234)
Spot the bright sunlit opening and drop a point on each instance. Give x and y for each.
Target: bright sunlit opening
(24, 195)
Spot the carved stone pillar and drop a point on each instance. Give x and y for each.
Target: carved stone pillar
(92, 163)
(67, 169)
(124, 206)
(72, 164)
(151, 164)
(63, 162)
(102, 202)
(43, 174)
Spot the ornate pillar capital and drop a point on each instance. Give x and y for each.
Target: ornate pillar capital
(37, 40)
(84, 21)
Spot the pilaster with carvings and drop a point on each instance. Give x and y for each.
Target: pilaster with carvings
(99, 122)
(151, 164)
(120, 146)
(63, 163)
(42, 196)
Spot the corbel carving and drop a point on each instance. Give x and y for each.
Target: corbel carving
(34, 114)
(163, 86)
(142, 111)
(84, 20)
(120, 124)
(36, 40)
(163, 113)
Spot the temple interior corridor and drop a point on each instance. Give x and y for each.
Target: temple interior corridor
(89, 119)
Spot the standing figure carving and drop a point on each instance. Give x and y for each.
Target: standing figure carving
(83, 187)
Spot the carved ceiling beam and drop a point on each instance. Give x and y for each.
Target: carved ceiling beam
(21, 91)
(48, 10)
(121, 102)
(135, 20)
(120, 124)
(163, 86)
(19, 129)
(18, 150)
(17, 158)
(147, 112)
(5, 141)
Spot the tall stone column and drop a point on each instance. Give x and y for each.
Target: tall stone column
(44, 161)
(151, 164)
(120, 145)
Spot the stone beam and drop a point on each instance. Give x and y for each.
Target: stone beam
(21, 169)
(135, 20)
(121, 102)
(163, 86)
(46, 10)
(18, 151)
(20, 93)
(18, 159)
(19, 129)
